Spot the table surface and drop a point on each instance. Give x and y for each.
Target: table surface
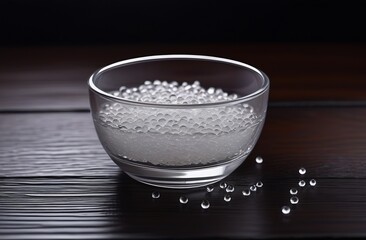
(56, 181)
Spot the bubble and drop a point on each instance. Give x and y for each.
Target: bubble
(227, 198)
(157, 82)
(173, 98)
(223, 185)
(210, 188)
(259, 184)
(294, 200)
(253, 188)
(246, 192)
(230, 188)
(155, 195)
(293, 191)
(122, 127)
(183, 128)
(312, 182)
(302, 171)
(183, 199)
(286, 210)
(302, 183)
(211, 90)
(205, 204)
(259, 159)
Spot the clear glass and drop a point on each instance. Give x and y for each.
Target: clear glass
(138, 138)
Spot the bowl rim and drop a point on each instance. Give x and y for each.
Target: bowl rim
(106, 95)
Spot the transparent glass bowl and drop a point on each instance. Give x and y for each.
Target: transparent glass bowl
(150, 142)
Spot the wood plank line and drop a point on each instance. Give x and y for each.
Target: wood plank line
(128, 211)
(56, 182)
(58, 144)
(331, 141)
(49, 78)
(291, 104)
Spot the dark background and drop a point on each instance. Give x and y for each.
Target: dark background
(70, 22)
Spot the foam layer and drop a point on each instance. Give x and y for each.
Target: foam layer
(176, 136)
(173, 93)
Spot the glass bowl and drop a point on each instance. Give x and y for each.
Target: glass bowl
(179, 145)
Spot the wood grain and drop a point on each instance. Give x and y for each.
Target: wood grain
(119, 207)
(59, 144)
(56, 182)
(329, 141)
(48, 78)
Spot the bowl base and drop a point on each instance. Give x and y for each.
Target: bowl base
(179, 177)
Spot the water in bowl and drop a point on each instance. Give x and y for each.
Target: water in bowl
(176, 136)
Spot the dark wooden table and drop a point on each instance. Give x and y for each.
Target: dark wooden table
(56, 181)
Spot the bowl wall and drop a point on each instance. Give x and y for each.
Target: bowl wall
(179, 146)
